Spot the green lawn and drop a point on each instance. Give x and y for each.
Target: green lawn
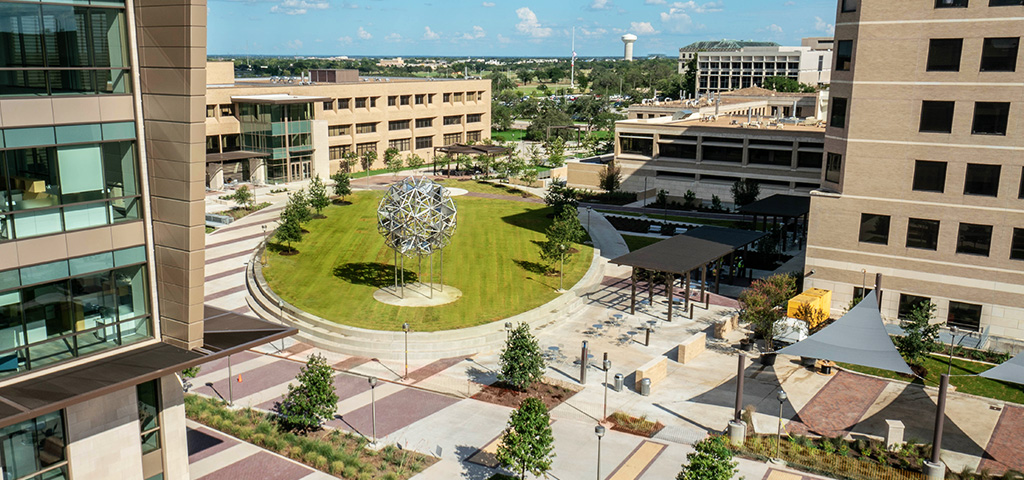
(969, 384)
(636, 243)
(508, 135)
(477, 186)
(380, 171)
(493, 259)
(678, 218)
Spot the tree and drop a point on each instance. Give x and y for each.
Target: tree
(366, 160)
(243, 196)
(521, 362)
(318, 198)
(393, 161)
(745, 192)
(501, 116)
(311, 402)
(690, 199)
(526, 76)
(289, 231)
(564, 231)
(785, 84)
(556, 153)
(342, 187)
(297, 207)
(919, 335)
(716, 203)
(527, 444)
(349, 159)
(610, 179)
(549, 114)
(560, 197)
(415, 161)
(689, 82)
(710, 460)
(529, 176)
(582, 81)
(763, 305)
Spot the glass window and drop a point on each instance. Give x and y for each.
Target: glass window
(937, 116)
(999, 54)
(392, 100)
(33, 446)
(974, 239)
(964, 315)
(637, 146)
(950, 3)
(473, 136)
(148, 395)
(844, 55)
(1016, 245)
(361, 102)
(833, 167)
(850, 5)
(944, 54)
(908, 303)
(929, 176)
(453, 120)
(12, 334)
(366, 127)
(1005, 3)
(421, 99)
(452, 138)
(424, 122)
(923, 233)
(211, 111)
(982, 180)
(874, 228)
(838, 118)
(402, 145)
(404, 99)
(990, 118)
(343, 103)
(398, 125)
(473, 118)
(424, 142)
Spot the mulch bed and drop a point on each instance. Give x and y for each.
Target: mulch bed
(652, 430)
(499, 394)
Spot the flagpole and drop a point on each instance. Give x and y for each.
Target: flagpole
(572, 63)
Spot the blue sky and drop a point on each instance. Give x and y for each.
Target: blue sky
(502, 27)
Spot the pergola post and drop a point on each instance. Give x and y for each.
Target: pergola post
(732, 267)
(650, 287)
(935, 468)
(668, 291)
(686, 288)
(718, 275)
(703, 287)
(632, 291)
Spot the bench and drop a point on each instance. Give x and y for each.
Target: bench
(690, 348)
(656, 370)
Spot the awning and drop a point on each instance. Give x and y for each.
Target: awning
(459, 148)
(1010, 371)
(691, 250)
(859, 338)
(779, 206)
(235, 155)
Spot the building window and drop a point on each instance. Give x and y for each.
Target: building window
(362, 148)
(211, 111)
(950, 3)
(974, 239)
(421, 99)
(402, 145)
(833, 167)
(1020, 189)
(861, 292)
(392, 100)
(227, 110)
(929, 176)
(373, 102)
(470, 96)
(637, 146)
(458, 97)
(398, 125)
(999, 54)
(338, 152)
(343, 103)
(361, 102)
(1005, 3)
(1017, 244)
(964, 315)
(366, 127)
(453, 120)
(329, 105)
(850, 5)
(35, 448)
(424, 122)
(908, 303)
(990, 118)
(844, 55)
(936, 116)
(838, 118)
(424, 142)
(473, 136)
(944, 54)
(473, 118)
(339, 130)
(149, 415)
(212, 146)
(452, 138)
(874, 228)
(446, 98)
(404, 99)
(923, 233)
(982, 180)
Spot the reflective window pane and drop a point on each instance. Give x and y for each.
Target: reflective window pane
(21, 31)
(131, 292)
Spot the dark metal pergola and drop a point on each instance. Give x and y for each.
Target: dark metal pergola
(463, 149)
(682, 254)
(778, 206)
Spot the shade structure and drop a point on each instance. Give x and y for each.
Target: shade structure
(1010, 371)
(858, 338)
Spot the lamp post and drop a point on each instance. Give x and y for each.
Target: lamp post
(778, 438)
(264, 256)
(561, 265)
(405, 328)
(589, 231)
(373, 408)
(508, 331)
(607, 367)
(280, 304)
(863, 281)
(952, 331)
(599, 431)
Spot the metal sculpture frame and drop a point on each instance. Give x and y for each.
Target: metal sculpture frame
(417, 216)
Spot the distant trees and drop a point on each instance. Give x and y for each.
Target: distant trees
(563, 232)
(785, 84)
(366, 160)
(562, 198)
(393, 161)
(745, 192)
(415, 161)
(556, 152)
(763, 305)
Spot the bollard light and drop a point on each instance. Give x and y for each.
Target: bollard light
(778, 438)
(405, 328)
(373, 407)
(599, 431)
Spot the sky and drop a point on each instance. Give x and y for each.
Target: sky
(526, 28)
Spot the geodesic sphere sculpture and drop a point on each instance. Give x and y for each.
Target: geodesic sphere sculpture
(416, 216)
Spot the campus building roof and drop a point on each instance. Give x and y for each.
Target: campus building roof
(691, 250)
(724, 45)
(779, 205)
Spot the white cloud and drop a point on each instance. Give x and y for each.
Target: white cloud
(529, 25)
(393, 37)
(773, 28)
(503, 39)
(642, 28)
(488, 4)
(789, 4)
(823, 26)
(655, 2)
(592, 33)
(429, 34)
(363, 34)
(294, 44)
(299, 7)
(345, 40)
(698, 8)
(677, 21)
(600, 5)
(478, 32)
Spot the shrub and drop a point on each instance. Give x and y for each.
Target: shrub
(920, 336)
(313, 400)
(521, 361)
(711, 460)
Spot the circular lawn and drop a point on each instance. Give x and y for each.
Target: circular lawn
(494, 258)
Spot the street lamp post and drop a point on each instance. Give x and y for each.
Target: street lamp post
(508, 331)
(405, 328)
(599, 431)
(589, 231)
(561, 265)
(952, 331)
(264, 256)
(373, 408)
(778, 438)
(280, 304)
(607, 367)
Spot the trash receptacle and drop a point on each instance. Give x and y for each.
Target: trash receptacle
(618, 382)
(645, 387)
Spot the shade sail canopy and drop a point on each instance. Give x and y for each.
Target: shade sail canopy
(1011, 371)
(779, 206)
(859, 338)
(691, 250)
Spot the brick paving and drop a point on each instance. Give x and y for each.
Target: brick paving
(204, 442)
(222, 363)
(394, 412)
(433, 368)
(1007, 442)
(837, 407)
(262, 465)
(350, 363)
(254, 381)
(346, 386)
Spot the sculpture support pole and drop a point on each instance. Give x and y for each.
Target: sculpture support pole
(431, 275)
(441, 286)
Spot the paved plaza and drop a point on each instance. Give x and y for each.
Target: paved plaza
(431, 411)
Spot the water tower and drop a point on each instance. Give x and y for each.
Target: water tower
(628, 39)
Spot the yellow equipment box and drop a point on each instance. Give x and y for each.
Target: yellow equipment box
(817, 298)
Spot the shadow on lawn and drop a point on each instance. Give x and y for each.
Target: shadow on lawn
(372, 274)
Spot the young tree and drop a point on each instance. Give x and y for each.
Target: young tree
(366, 160)
(521, 362)
(289, 231)
(564, 231)
(318, 198)
(243, 197)
(393, 160)
(529, 176)
(610, 179)
(710, 460)
(690, 199)
(415, 161)
(527, 444)
(342, 188)
(311, 402)
(297, 207)
(919, 335)
(556, 153)
(559, 197)
(745, 192)
(348, 160)
(763, 305)
(716, 203)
